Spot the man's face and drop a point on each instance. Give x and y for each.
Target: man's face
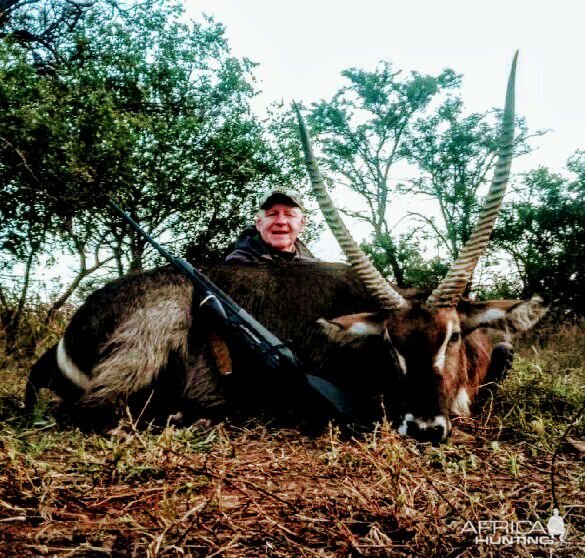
(280, 225)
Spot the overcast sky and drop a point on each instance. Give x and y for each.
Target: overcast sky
(303, 45)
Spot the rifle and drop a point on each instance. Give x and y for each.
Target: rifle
(251, 334)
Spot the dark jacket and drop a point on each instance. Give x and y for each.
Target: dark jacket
(251, 248)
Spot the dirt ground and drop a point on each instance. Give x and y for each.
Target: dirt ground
(253, 490)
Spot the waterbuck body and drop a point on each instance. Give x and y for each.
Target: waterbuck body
(145, 332)
(143, 338)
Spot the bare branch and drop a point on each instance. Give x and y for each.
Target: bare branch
(429, 221)
(81, 275)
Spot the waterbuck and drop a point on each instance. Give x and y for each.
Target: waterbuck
(420, 359)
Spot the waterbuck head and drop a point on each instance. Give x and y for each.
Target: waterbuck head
(439, 354)
(434, 341)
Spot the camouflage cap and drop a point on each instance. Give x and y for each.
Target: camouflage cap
(281, 195)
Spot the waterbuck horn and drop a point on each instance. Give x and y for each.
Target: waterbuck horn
(451, 289)
(364, 268)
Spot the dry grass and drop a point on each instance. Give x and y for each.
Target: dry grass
(250, 490)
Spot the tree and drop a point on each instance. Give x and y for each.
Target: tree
(364, 131)
(544, 233)
(455, 155)
(141, 106)
(418, 272)
(40, 25)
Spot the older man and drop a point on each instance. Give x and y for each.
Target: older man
(274, 237)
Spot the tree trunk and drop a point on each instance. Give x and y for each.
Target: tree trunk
(118, 257)
(396, 269)
(25, 286)
(14, 323)
(390, 251)
(137, 251)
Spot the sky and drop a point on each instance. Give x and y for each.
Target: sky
(302, 47)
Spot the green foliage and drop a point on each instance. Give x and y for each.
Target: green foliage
(419, 273)
(543, 393)
(544, 232)
(364, 131)
(501, 284)
(143, 106)
(455, 155)
(125, 99)
(382, 118)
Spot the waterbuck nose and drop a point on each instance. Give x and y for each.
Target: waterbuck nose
(435, 429)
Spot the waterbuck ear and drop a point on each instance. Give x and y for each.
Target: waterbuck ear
(348, 329)
(514, 315)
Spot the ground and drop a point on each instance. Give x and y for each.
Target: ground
(256, 490)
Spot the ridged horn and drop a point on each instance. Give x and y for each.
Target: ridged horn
(373, 280)
(451, 289)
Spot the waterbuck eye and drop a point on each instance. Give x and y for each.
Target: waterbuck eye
(455, 336)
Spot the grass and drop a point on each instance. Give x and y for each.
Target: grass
(251, 490)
